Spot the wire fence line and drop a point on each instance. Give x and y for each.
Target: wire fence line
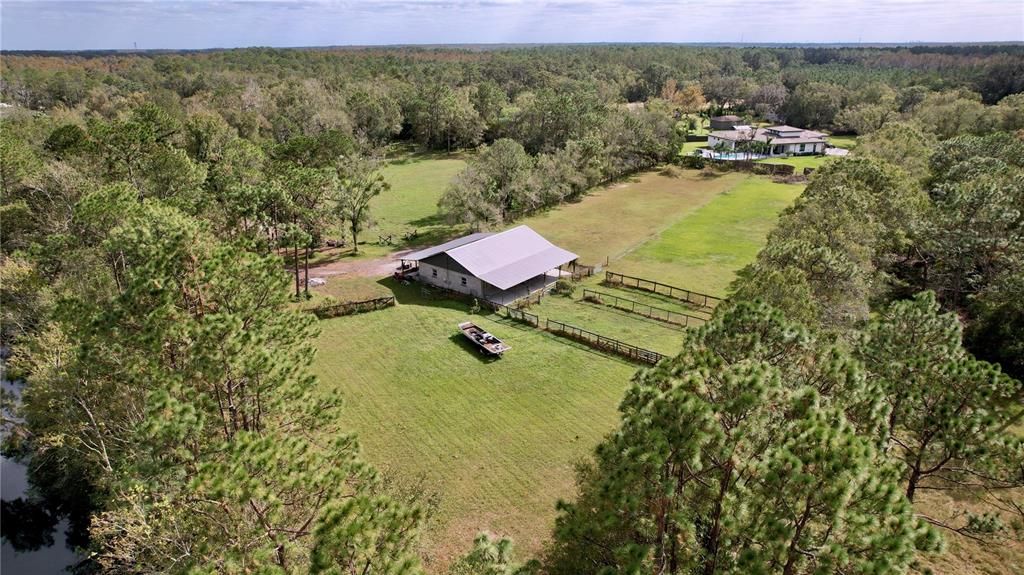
(639, 308)
(699, 299)
(604, 343)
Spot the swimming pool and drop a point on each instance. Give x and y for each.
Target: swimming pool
(731, 156)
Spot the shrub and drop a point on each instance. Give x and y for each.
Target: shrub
(564, 287)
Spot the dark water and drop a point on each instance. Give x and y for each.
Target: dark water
(34, 540)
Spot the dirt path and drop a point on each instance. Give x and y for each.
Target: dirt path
(370, 268)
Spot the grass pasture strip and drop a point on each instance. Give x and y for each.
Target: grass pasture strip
(800, 162)
(704, 250)
(619, 324)
(603, 342)
(497, 438)
(701, 301)
(416, 186)
(612, 220)
(647, 310)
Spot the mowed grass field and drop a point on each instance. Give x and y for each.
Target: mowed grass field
(703, 251)
(417, 183)
(498, 439)
(613, 220)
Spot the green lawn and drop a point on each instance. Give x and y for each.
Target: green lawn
(690, 147)
(613, 220)
(416, 186)
(417, 182)
(848, 142)
(800, 162)
(703, 251)
(497, 438)
(610, 322)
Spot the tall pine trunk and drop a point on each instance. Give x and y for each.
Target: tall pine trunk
(305, 264)
(295, 259)
(715, 535)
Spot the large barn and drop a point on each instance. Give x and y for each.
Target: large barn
(499, 267)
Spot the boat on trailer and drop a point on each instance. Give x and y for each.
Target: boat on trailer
(487, 343)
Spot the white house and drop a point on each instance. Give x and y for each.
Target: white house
(780, 140)
(498, 267)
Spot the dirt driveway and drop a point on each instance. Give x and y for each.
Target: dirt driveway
(370, 268)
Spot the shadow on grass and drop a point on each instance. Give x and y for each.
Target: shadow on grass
(520, 326)
(410, 153)
(431, 220)
(461, 341)
(415, 294)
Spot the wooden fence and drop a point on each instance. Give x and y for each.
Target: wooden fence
(603, 343)
(646, 310)
(580, 271)
(515, 314)
(702, 300)
(529, 299)
(352, 307)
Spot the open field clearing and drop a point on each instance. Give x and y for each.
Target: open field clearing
(417, 182)
(627, 327)
(497, 438)
(703, 250)
(411, 203)
(612, 220)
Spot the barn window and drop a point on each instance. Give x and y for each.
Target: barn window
(463, 280)
(433, 272)
(802, 147)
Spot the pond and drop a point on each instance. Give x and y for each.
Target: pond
(35, 541)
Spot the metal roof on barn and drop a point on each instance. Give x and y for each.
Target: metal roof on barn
(503, 259)
(438, 249)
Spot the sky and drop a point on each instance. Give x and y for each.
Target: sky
(197, 24)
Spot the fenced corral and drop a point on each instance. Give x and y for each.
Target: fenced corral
(529, 299)
(639, 308)
(580, 271)
(352, 307)
(701, 300)
(600, 342)
(515, 314)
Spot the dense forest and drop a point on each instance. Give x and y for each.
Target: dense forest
(157, 210)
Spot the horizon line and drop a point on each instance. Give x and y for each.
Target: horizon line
(723, 44)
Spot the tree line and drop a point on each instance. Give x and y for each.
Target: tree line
(150, 202)
(858, 364)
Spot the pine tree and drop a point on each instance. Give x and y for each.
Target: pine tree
(753, 450)
(950, 414)
(189, 390)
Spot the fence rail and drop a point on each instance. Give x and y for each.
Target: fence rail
(352, 307)
(639, 308)
(515, 314)
(600, 342)
(580, 271)
(689, 296)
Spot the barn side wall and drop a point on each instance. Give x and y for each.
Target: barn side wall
(434, 274)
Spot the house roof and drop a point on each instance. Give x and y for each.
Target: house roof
(504, 259)
(800, 136)
(785, 128)
(728, 118)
